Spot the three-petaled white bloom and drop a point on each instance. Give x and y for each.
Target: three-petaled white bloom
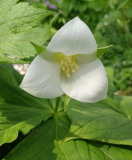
(68, 65)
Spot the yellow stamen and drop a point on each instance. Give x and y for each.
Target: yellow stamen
(67, 64)
(72, 69)
(62, 60)
(63, 68)
(75, 63)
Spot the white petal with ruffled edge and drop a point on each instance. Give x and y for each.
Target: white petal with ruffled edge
(42, 79)
(88, 84)
(73, 38)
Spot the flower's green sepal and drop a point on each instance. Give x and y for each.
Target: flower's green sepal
(38, 48)
(100, 51)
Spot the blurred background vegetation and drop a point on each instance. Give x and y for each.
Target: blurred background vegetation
(111, 23)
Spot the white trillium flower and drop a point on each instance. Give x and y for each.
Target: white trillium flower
(68, 66)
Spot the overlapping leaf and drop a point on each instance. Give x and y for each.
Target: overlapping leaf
(20, 111)
(18, 28)
(125, 104)
(103, 121)
(6, 59)
(111, 87)
(45, 143)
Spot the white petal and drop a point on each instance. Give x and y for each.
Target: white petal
(42, 79)
(87, 84)
(73, 38)
(84, 58)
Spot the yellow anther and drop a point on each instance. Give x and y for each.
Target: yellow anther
(62, 66)
(68, 74)
(62, 60)
(74, 63)
(72, 69)
(67, 64)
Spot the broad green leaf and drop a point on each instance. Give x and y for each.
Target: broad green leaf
(125, 104)
(102, 50)
(99, 121)
(110, 72)
(15, 118)
(118, 98)
(111, 87)
(111, 102)
(19, 110)
(115, 152)
(6, 59)
(44, 142)
(18, 27)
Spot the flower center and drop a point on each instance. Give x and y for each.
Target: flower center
(67, 64)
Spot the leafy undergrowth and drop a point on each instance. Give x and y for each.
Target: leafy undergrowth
(18, 28)
(99, 131)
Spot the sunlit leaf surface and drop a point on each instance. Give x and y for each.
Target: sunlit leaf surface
(101, 121)
(18, 28)
(19, 110)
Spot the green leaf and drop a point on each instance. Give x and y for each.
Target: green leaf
(18, 27)
(125, 104)
(102, 50)
(115, 152)
(19, 110)
(6, 59)
(118, 98)
(110, 72)
(100, 121)
(111, 87)
(44, 142)
(113, 104)
(128, 3)
(15, 118)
